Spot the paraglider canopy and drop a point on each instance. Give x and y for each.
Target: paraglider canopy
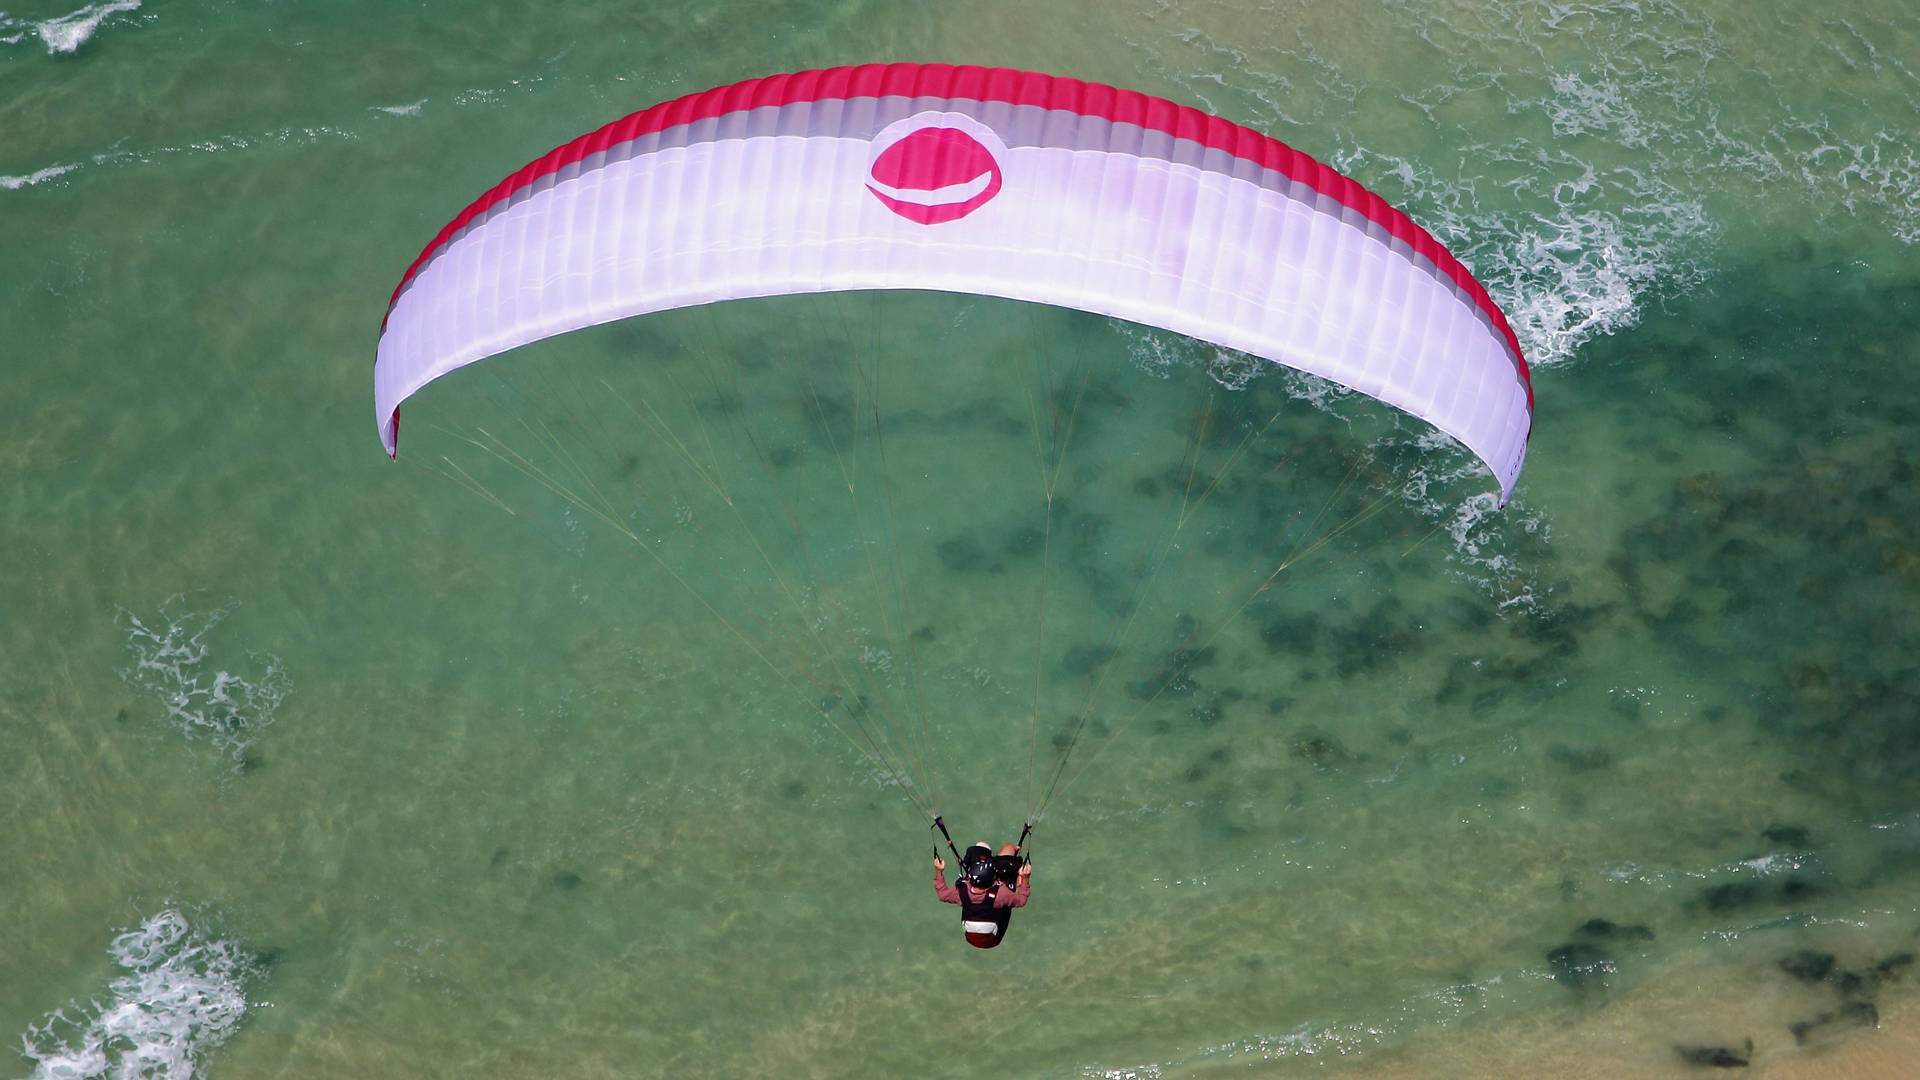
(971, 180)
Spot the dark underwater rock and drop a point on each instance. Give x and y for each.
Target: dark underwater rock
(1072, 727)
(567, 881)
(1855, 984)
(1660, 539)
(1673, 624)
(1893, 963)
(1716, 1057)
(1294, 634)
(1793, 836)
(1804, 780)
(1087, 531)
(1499, 787)
(1628, 572)
(1557, 629)
(1798, 889)
(1580, 759)
(1811, 679)
(855, 706)
(1731, 896)
(1461, 674)
(1026, 540)
(1807, 966)
(1320, 750)
(1382, 636)
(833, 410)
(1469, 614)
(1580, 965)
(1702, 490)
(1851, 1014)
(1215, 822)
(1601, 928)
(1492, 678)
(1175, 676)
(960, 555)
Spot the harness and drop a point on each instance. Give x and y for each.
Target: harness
(979, 918)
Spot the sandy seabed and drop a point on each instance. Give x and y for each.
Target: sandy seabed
(1615, 1043)
(1892, 1051)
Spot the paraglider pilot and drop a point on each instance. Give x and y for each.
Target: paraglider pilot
(989, 887)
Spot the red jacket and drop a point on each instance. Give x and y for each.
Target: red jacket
(1002, 896)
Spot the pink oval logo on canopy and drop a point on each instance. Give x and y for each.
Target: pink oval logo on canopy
(932, 171)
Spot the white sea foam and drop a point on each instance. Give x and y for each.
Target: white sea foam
(1135, 1072)
(182, 994)
(1321, 394)
(412, 109)
(15, 183)
(1483, 532)
(1882, 171)
(123, 153)
(1234, 370)
(64, 34)
(1155, 354)
(203, 699)
(1581, 106)
(878, 661)
(1581, 265)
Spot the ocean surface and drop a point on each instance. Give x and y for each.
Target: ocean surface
(594, 738)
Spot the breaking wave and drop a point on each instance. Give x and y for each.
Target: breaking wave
(181, 994)
(63, 34)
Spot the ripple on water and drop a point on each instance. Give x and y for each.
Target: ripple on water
(206, 698)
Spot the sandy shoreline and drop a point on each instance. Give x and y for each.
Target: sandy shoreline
(1893, 1050)
(1614, 1044)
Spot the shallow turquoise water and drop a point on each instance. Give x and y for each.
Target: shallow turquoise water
(378, 778)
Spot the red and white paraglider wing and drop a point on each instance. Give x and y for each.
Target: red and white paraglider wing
(974, 180)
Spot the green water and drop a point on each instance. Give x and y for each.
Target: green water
(501, 793)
